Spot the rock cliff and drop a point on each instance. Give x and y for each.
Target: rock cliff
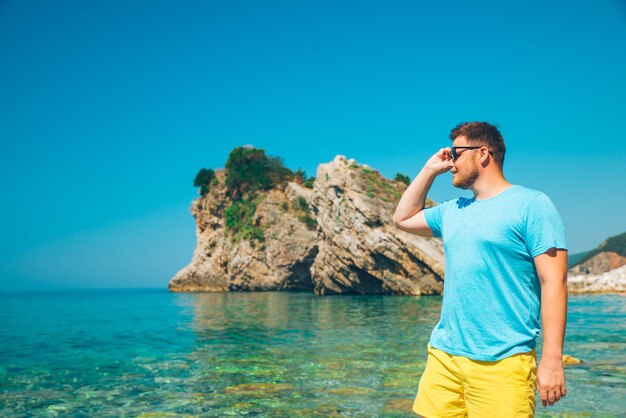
(336, 238)
(600, 263)
(609, 255)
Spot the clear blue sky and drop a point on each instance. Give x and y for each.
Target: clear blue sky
(108, 109)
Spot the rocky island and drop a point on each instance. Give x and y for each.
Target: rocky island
(260, 226)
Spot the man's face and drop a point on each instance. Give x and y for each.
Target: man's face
(465, 170)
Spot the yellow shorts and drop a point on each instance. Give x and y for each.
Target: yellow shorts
(456, 386)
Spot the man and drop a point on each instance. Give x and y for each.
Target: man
(506, 261)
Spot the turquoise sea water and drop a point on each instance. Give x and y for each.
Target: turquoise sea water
(154, 353)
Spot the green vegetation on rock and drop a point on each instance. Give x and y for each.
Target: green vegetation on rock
(249, 170)
(377, 186)
(204, 179)
(303, 207)
(308, 183)
(300, 178)
(403, 178)
(239, 221)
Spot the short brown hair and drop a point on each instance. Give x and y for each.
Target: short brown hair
(482, 133)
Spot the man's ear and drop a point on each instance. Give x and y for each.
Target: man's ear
(483, 156)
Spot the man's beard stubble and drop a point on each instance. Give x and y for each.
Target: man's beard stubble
(466, 177)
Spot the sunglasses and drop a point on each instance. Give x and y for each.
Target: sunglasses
(456, 155)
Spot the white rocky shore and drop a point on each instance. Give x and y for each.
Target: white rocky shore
(613, 281)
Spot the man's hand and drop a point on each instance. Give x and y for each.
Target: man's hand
(440, 162)
(550, 380)
(408, 215)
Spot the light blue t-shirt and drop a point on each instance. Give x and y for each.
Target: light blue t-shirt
(491, 297)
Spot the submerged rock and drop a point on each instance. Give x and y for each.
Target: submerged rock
(258, 388)
(569, 360)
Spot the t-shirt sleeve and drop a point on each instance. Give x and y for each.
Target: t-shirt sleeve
(434, 217)
(544, 227)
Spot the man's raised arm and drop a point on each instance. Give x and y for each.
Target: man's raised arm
(408, 215)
